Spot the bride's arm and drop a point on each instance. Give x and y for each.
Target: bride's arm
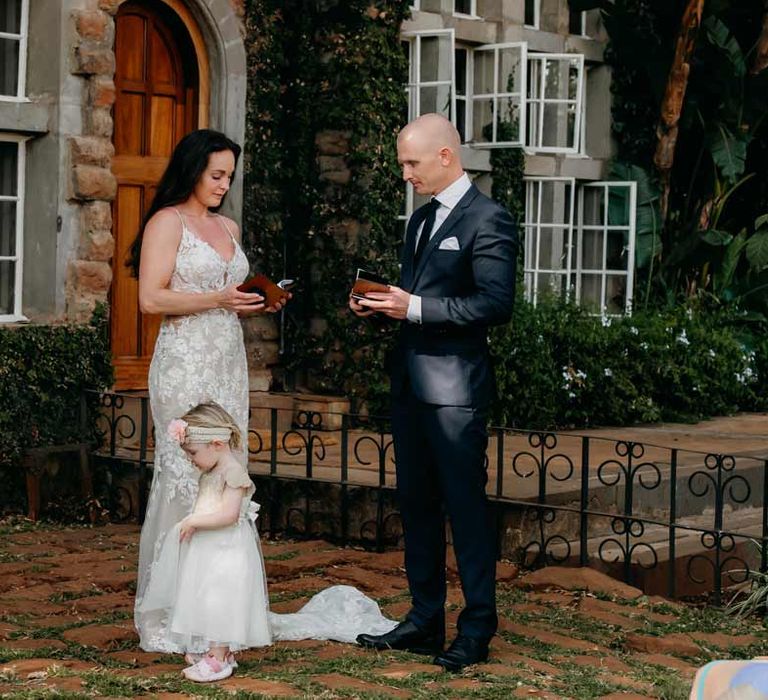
(226, 515)
(158, 258)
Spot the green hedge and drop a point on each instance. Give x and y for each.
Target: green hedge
(558, 367)
(43, 370)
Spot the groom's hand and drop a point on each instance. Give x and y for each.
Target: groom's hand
(393, 303)
(359, 310)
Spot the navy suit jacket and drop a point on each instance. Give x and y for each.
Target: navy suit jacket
(445, 360)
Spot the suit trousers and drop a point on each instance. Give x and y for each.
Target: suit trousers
(440, 465)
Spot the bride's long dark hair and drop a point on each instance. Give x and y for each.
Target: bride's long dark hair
(188, 162)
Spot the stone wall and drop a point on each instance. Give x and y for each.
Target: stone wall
(91, 184)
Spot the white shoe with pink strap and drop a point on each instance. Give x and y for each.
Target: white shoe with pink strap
(208, 669)
(192, 659)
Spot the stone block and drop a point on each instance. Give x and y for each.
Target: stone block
(93, 182)
(261, 403)
(91, 150)
(333, 143)
(258, 328)
(89, 277)
(102, 92)
(97, 245)
(98, 121)
(96, 216)
(93, 24)
(345, 231)
(92, 60)
(260, 379)
(80, 306)
(263, 354)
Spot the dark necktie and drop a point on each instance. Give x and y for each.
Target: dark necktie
(429, 222)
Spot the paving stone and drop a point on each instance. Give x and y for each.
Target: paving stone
(271, 689)
(459, 684)
(501, 670)
(101, 636)
(723, 641)
(677, 643)
(54, 621)
(289, 606)
(387, 562)
(6, 628)
(61, 683)
(527, 608)
(575, 579)
(135, 657)
(40, 592)
(684, 667)
(338, 681)
(542, 635)
(23, 667)
(373, 583)
(528, 692)
(528, 661)
(406, 670)
(313, 584)
(397, 611)
(594, 609)
(339, 651)
(109, 602)
(609, 663)
(627, 682)
(553, 598)
(626, 696)
(32, 644)
(152, 670)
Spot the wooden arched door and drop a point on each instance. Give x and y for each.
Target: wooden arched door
(157, 89)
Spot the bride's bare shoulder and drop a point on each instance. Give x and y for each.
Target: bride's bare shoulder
(165, 222)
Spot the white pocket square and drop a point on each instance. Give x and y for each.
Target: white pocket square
(451, 243)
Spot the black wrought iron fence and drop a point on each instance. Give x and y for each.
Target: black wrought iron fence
(671, 521)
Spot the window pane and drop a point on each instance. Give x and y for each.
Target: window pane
(435, 59)
(592, 214)
(508, 128)
(616, 258)
(9, 67)
(436, 99)
(461, 71)
(591, 291)
(557, 128)
(461, 118)
(482, 116)
(592, 250)
(575, 22)
(7, 229)
(556, 202)
(9, 158)
(510, 70)
(618, 206)
(551, 285)
(10, 16)
(7, 286)
(483, 73)
(530, 12)
(462, 6)
(615, 294)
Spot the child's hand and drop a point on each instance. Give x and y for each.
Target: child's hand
(186, 529)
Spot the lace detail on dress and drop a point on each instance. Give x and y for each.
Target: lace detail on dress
(197, 357)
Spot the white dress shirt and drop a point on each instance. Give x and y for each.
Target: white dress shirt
(447, 199)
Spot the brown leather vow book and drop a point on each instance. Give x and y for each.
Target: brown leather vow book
(368, 282)
(261, 284)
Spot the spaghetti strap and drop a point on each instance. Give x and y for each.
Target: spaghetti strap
(226, 228)
(181, 218)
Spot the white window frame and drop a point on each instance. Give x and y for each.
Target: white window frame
(472, 11)
(543, 101)
(532, 271)
(496, 96)
(536, 15)
(21, 37)
(413, 89)
(605, 229)
(18, 198)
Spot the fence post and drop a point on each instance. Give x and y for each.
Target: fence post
(344, 479)
(584, 503)
(671, 587)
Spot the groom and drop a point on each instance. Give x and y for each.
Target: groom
(457, 279)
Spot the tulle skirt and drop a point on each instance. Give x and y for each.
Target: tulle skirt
(209, 591)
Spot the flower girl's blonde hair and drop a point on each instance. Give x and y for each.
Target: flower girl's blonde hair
(211, 415)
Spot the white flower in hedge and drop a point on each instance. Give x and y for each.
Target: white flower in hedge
(683, 338)
(581, 375)
(634, 330)
(606, 321)
(712, 353)
(644, 346)
(608, 372)
(571, 395)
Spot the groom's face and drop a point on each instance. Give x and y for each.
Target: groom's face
(422, 164)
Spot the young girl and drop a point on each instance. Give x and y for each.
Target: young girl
(208, 588)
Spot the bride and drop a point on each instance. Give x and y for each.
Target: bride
(188, 260)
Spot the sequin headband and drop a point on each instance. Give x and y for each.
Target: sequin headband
(180, 431)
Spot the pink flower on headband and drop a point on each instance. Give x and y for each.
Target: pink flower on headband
(177, 430)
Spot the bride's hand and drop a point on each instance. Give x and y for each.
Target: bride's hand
(241, 303)
(186, 529)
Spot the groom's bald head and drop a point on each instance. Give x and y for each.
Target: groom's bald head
(429, 151)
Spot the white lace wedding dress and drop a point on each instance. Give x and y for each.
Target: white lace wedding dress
(201, 357)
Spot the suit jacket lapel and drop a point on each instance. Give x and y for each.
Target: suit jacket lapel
(457, 213)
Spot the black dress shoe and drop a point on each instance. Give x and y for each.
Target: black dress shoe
(464, 651)
(405, 637)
